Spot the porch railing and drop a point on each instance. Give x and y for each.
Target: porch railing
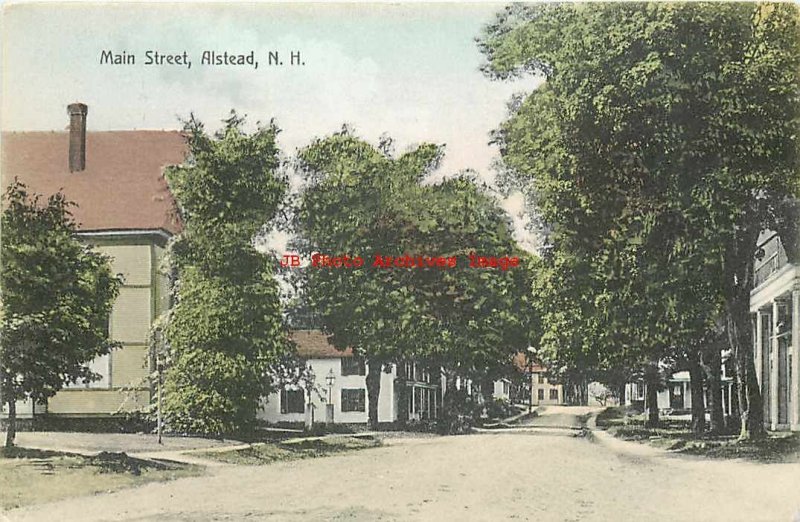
(774, 258)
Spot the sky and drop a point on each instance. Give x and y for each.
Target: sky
(409, 71)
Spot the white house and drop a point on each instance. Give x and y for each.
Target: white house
(676, 396)
(340, 381)
(502, 389)
(775, 307)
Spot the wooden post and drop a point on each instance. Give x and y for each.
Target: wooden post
(794, 390)
(774, 389)
(158, 414)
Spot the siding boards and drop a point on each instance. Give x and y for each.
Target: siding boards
(143, 295)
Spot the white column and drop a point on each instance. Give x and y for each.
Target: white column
(775, 365)
(759, 340)
(795, 351)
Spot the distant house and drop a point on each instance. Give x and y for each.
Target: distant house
(502, 389)
(543, 389)
(125, 209)
(676, 395)
(340, 380)
(775, 309)
(635, 394)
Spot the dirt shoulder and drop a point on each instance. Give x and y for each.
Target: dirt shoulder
(525, 475)
(31, 476)
(675, 435)
(114, 442)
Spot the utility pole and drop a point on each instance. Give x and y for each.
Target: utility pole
(531, 354)
(158, 368)
(158, 383)
(530, 387)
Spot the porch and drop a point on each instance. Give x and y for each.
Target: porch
(775, 307)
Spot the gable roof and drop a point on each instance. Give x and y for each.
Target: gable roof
(313, 344)
(122, 187)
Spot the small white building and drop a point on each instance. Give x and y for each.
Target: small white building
(340, 381)
(502, 389)
(676, 396)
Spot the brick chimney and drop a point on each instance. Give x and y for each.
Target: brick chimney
(77, 136)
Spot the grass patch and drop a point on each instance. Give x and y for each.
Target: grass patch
(293, 449)
(777, 447)
(676, 435)
(31, 476)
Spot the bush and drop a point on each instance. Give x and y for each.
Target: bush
(459, 413)
(499, 409)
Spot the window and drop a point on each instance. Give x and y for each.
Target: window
(540, 394)
(353, 366)
(100, 365)
(554, 394)
(354, 399)
(293, 401)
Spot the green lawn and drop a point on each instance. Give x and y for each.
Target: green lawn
(30, 476)
(676, 435)
(268, 452)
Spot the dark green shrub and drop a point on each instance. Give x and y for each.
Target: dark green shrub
(459, 414)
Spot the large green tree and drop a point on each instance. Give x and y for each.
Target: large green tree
(482, 316)
(671, 128)
(361, 200)
(225, 330)
(57, 295)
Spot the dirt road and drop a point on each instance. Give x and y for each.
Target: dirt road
(529, 474)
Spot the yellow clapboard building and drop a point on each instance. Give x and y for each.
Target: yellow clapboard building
(124, 208)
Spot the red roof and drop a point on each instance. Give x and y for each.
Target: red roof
(122, 187)
(313, 344)
(521, 363)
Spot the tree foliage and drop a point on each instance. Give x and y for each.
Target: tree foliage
(663, 141)
(360, 200)
(57, 296)
(225, 329)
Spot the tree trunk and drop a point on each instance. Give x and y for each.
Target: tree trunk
(751, 411)
(740, 338)
(487, 391)
(374, 390)
(714, 385)
(698, 400)
(584, 391)
(734, 419)
(402, 394)
(11, 432)
(449, 381)
(651, 380)
(621, 393)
